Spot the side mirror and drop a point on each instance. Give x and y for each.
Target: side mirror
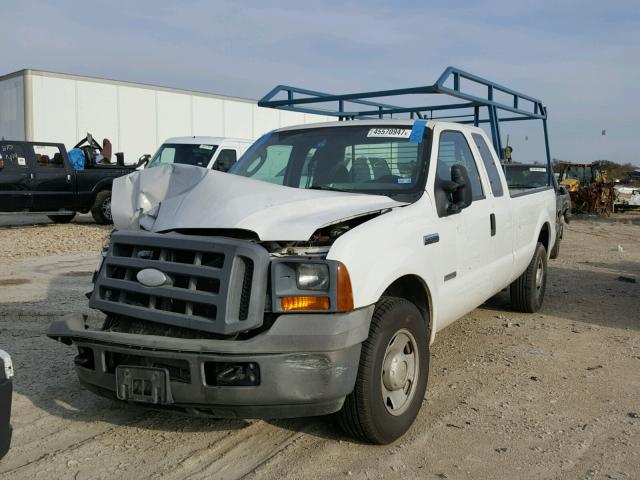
(459, 188)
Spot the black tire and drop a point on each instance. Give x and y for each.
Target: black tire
(366, 415)
(527, 291)
(555, 250)
(101, 209)
(62, 218)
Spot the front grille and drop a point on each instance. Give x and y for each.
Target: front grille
(214, 284)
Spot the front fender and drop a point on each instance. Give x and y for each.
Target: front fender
(389, 247)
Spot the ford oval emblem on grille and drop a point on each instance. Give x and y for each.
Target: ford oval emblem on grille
(150, 277)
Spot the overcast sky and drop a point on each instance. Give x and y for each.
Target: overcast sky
(582, 58)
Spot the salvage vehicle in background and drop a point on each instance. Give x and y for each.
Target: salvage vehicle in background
(217, 153)
(528, 176)
(335, 253)
(589, 187)
(38, 177)
(6, 391)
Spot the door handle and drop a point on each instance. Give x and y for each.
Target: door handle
(492, 221)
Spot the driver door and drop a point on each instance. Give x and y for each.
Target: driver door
(15, 177)
(53, 187)
(468, 281)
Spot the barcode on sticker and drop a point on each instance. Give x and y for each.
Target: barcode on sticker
(389, 132)
(537, 169)
(206, 147)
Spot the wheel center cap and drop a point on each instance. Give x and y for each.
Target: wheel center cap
(395, 371)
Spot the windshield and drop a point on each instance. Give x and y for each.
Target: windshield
(362, 159)
(525, 176)
(197, 155)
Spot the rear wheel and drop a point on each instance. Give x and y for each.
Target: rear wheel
(392, 376)
(527, 291)
(62, 218)
(101, 209)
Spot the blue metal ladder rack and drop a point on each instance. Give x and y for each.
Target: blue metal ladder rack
(519, 106)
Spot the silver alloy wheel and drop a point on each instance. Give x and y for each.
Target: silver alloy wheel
(400, 372)
(539, 274)
(106, 209)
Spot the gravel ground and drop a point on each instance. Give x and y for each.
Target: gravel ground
(548, 395)
(29, 236)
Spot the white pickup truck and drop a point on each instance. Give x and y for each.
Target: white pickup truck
(218, 153)
(313, 277)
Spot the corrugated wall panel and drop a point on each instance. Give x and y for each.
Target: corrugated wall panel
(174, 115)
(97, 109)
(238, 119)
(12, 109)
(136, 119)
(264, 120)
(208, 116)
(138, 133)
(291, 118)
(54, 110)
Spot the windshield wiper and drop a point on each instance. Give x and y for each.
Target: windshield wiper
(328, 188)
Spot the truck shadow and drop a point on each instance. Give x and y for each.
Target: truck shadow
(10, 220)
(604, 294)
(46, 377)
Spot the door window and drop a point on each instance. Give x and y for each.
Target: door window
(226, 159)
(489, 165)
(12, 156)
(454, 150)
(48, 156)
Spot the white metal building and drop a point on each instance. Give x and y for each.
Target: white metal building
(54, 107)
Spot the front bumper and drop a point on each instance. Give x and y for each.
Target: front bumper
(308, 364)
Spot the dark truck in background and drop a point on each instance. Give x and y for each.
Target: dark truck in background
(37, 177)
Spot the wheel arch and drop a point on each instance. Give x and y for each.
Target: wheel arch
(413, 288)
(544, 236)
(102, 185)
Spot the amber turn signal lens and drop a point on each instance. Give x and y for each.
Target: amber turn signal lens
(304, 303)
(344, 292)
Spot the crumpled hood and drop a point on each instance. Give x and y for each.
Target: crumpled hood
(170, 197)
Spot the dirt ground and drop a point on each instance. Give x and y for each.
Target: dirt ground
(510, 396)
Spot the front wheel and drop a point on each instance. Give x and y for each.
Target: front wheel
(527, 291)
(101, 209)
(392, 376)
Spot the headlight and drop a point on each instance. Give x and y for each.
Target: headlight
(300, 284)
(312, 276)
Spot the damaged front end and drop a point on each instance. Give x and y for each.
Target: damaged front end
(202, 324)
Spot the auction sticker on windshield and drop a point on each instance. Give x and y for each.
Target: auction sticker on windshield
(389, 132)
